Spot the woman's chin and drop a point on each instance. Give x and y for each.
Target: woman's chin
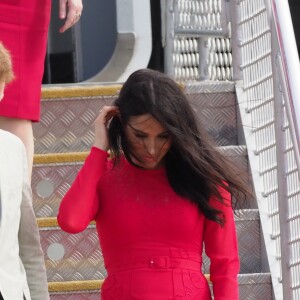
(150, 165)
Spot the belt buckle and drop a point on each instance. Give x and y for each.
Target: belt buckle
(159, 262)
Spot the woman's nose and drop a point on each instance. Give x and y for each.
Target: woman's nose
(151, 147)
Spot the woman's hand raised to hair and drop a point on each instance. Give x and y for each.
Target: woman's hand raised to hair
(101, 123)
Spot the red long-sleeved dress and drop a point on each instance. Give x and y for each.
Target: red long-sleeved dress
(151, 238)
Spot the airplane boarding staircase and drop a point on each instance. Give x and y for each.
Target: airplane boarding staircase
(234, 64)
(74, 263)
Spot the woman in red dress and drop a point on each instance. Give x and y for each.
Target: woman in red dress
(165, 192)
(24, 30)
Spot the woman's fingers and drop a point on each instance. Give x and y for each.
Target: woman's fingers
(106, 113)
(71, 10)
(101, 123)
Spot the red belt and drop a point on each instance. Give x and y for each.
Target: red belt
(157, 262)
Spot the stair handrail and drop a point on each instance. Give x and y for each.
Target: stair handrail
(267, 59)
(290, 68)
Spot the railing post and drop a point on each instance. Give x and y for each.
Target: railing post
(203, 51)
(282, 180)
(167, 11)
(236, 38)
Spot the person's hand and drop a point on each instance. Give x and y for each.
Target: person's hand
(101, 122)
(71, 11)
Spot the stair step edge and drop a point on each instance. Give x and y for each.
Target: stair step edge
(70, 157)
(95, 285)
(74, 286)
(69, 92)
(207, 87)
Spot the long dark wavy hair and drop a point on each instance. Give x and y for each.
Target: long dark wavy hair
(195, 168)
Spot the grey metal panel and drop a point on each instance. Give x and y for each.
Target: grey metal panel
(49, 185)
(238, 156)
(236, 152)
(210, 87)
(82, 259)
(248, 232)
(216, 112)
(257, 278)
(67, 124)
(246, 215)
(255, 286)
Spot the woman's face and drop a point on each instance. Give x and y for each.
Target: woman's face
(148, 141)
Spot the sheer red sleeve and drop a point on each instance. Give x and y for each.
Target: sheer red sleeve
(80, 204)
(221, 247)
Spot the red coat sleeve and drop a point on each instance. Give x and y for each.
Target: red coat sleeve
(80, 204)
(221, 247)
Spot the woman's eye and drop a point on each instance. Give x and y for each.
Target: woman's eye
(140, 136)
(164, 137)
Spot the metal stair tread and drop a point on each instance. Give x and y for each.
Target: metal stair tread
(69, 91)
(207, 87)
(95, 285)
(71, 157)
(74, 286)
(68, 113)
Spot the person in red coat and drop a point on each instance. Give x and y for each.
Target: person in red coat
(162, 197)
(23, 31)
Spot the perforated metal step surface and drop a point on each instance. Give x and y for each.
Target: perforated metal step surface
(68, 114)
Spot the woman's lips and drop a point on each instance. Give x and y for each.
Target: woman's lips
(149, 159)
